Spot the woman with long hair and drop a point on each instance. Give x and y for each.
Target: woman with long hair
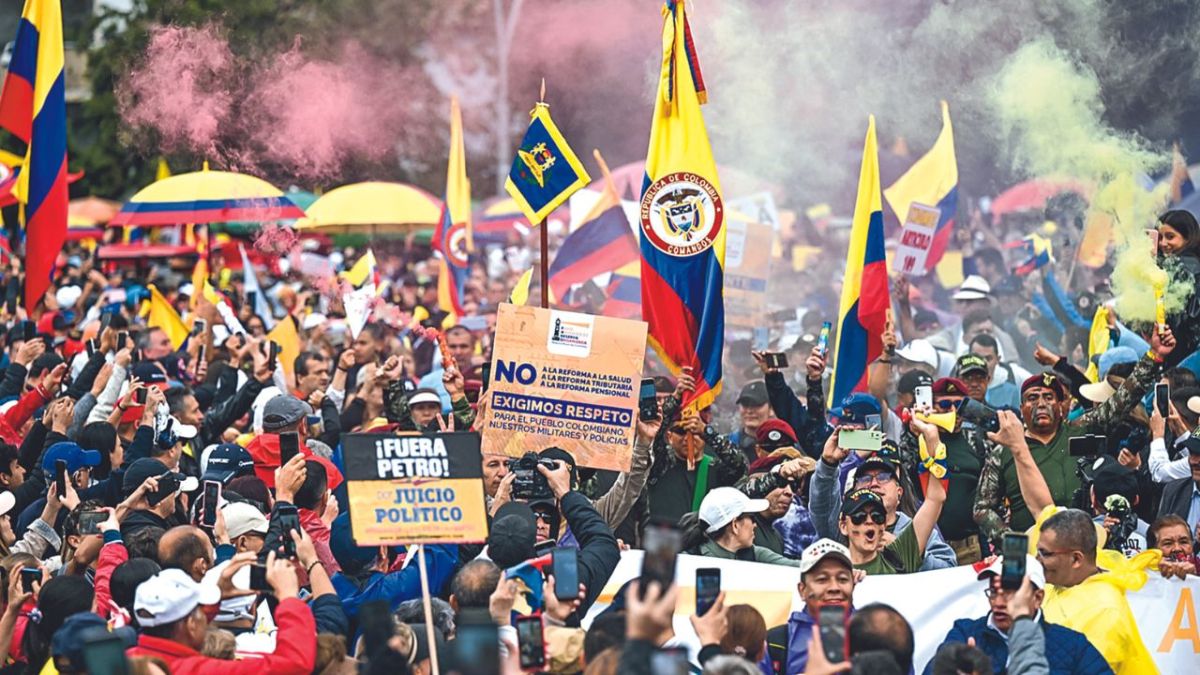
(1179, 255)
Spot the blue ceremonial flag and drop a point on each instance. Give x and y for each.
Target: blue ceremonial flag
(545, 171)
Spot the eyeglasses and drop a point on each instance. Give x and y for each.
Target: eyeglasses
(861, 517)
(883, 478)
(990, 593)
(1043, 553)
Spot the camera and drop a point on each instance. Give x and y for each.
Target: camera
(529, 484)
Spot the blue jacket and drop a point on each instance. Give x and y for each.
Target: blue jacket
(799, 632)
(1068, 652)
(398, 586)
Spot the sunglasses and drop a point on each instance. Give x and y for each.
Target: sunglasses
(542, 516)
(861, 517)
(946, 404)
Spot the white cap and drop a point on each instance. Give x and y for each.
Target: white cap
(424, 397)
(820, 550)
(722, 505)
(919, 351)
(313, 320)
(170, 596)
(7, 502)
(1193, 404)
(235, 608)
(67, 296)
(1033, 568)
(242, 518)
(974, 287)
(1097, 392)
(185, 431)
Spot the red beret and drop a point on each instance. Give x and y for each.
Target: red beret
(949, 386)
(1049, 381)
(775, 432)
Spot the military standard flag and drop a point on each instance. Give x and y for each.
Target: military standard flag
(682, 220)
(545, 171)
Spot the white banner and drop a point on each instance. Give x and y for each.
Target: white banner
(1165, 609)
(916, 238)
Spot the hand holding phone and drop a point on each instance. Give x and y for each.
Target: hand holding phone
(31, 579)
(924, 396)
(661, 542)
(708, 587)
(647, 401)
(1162, 399)
(1012, 570)
(212, 501)
(832, 619)
(289, 446)
(565, 563)
(60, 478)
(530, 642)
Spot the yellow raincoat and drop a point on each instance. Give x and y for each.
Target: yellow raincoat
(1098, 608)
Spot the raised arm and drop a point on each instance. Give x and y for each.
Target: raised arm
(1034, 489)
(927, 516)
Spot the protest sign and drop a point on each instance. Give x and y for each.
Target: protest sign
(567, 380)
(419, 488)
(759, 207)
(747, 269)
(1164, 609)
(358, 308)
(916, 238)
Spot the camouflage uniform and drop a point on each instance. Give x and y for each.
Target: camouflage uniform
(990, 509)
(395, 407)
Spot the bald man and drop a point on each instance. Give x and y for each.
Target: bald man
(187, 548)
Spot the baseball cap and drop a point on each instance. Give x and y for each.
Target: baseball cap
(75, 456)
(883, 459)
(69, 639)
(225, 462)
(774, 433)
(1110, 477)
(949, 386)
(67, 296)
(1193, 445)
(974, 287)
(170, 596)
(820, 550)
(513, 535)
(913, 379)
(1037, 575)
(970, 363)
(860, 499)
(7, 502)
(753, 394)
(147, 467)
(148, 373)
(242, 518)
(722, 505)
(919, 351)
(1114, 356)
(424, 395)
(283, 411)
(1048, 380)
(855, 408)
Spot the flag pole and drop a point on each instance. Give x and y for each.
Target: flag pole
(428, 607)
(608, 180)
(544, 235)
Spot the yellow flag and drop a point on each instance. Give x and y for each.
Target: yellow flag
(285, 335)
(362, 271)
(163, 316)
(520, 292)
(163, 171)
(1098, 339)
(199, 282)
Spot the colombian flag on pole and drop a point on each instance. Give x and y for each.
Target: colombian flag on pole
(33, 107)
(682, 220)
(865, 299)
(450, 238)
(932, 180)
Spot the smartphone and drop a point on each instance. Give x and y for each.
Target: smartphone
(1089, 445)
(831, 621)
(485, 375)
(91, 347)
(168, 485)
(139, 396)
(60, 477)
(258, 578)
(762, 339)
(252, 299)
(923, 395)
(104, 652)
(661, 543)
(203, 355)
(289, 446)
(475, 647)
(212, 501)
(565, 563)
(979, 414)
(89, 522)
(708, 587)
(105, 321)
(776, 359)
(1013, 546)
(289, 519)
(29, 577)
(670, 661)
(200, 327)
(647, 401)
(530, 643)
(1162, 399)
(860, 439)
(823, 339)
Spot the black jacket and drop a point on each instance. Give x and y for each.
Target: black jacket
(1177, 498)
(598, 552)
(807, 421)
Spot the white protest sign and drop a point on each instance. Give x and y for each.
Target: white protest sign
(916, 238)
(358, 308)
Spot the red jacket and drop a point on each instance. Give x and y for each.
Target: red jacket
(319, 532)
(264, 450)
(295, 649)
(12, 421)
(112, 553)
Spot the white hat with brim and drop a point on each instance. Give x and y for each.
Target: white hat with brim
(170, 596)
(724, 504)
(919, 351)
(973, 287)
(1033, 569)
(425, 397)
(1097, 392)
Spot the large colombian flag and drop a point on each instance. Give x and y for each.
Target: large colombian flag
(865, 299)
(932, 180)
(450, 239)
(33, 107)
(682, 220)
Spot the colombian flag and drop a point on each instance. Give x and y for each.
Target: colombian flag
(933, 181)
(450, 238)
(682, 220)
(624, 293)
(602, 243)
(865, 298)
(33, 107)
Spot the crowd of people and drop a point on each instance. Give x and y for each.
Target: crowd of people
(978, 421)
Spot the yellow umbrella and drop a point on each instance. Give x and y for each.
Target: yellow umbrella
(371, 206)
(206, 197)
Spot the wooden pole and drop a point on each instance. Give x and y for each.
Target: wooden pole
(545, 265)
(427, 605)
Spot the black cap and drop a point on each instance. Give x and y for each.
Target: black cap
(860, 499)
(753, 394)
(1193, 445)
(149, 372)
(1110, 477)
(970, 363)
(513, 535)
(913, 379)
(558, 454)
(226, 462)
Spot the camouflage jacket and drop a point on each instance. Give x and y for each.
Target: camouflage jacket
(395, 407)
(990, 510)
(728, 462)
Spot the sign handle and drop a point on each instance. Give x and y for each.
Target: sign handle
(427, 605)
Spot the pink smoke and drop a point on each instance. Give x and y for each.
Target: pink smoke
(180, 88)
(276, 241)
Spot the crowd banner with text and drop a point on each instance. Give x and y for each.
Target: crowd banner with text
(1164, 609)
(747, 271)
(567, 380)
(916, 240)
(415, 489)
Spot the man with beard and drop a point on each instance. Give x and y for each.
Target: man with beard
(1044, 406)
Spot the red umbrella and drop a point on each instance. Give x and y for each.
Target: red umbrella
(1033, 194)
